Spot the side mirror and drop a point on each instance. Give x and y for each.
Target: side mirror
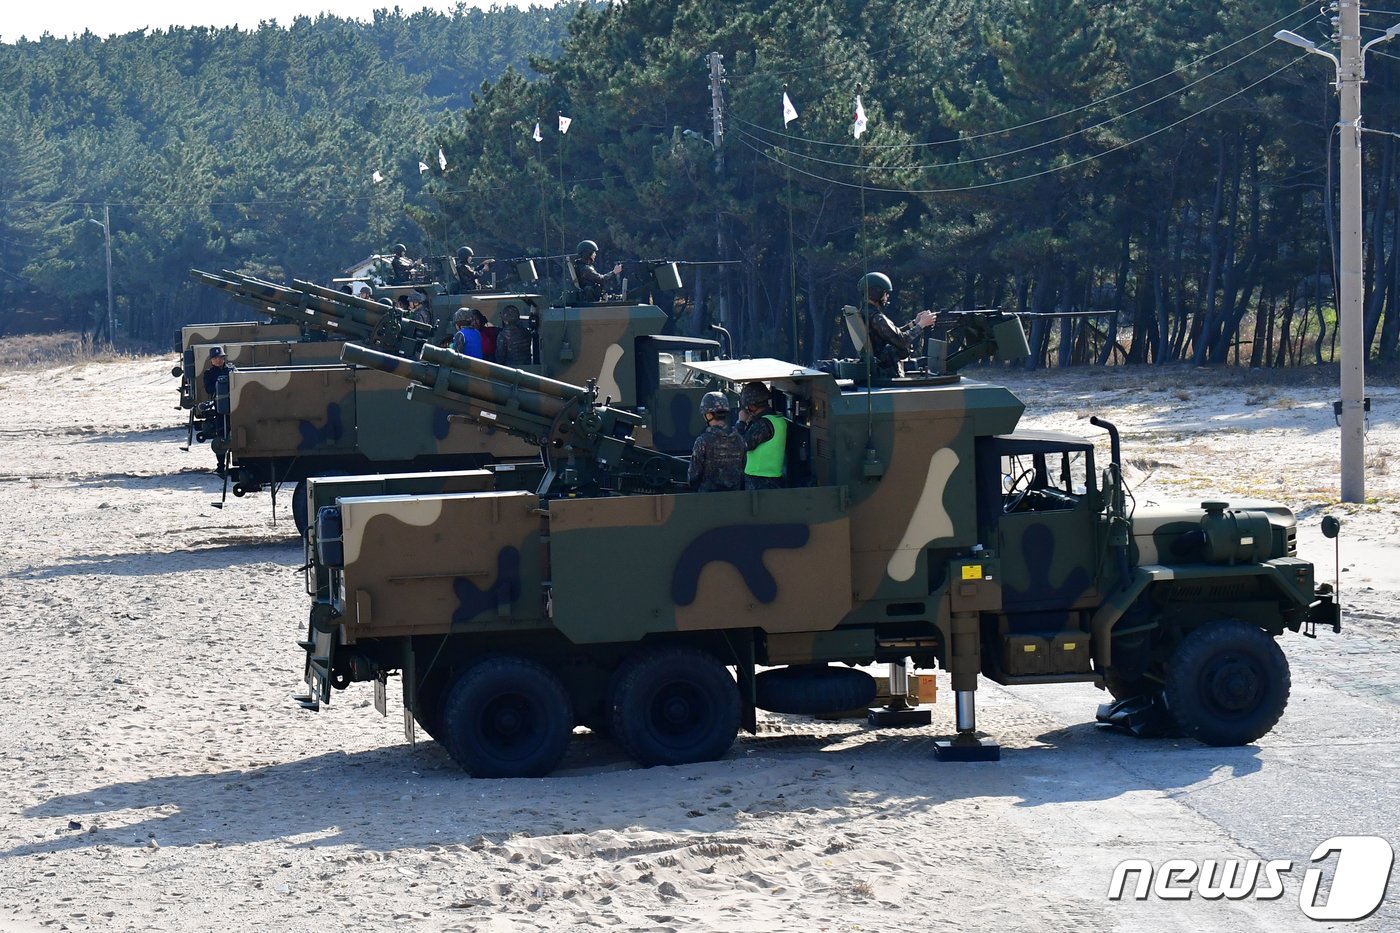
(1331, 526)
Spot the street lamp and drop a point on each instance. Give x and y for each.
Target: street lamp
(1351, 72)
(106, 224)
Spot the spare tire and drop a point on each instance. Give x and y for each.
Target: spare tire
(813, 689)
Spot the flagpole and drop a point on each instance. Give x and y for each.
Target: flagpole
(860, 160)
(792, 244)
(563, 237)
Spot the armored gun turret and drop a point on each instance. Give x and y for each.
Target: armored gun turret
(917, 525)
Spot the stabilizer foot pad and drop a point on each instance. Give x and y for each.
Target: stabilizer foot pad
(962, 750)
(880, 717)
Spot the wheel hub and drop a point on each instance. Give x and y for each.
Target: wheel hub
(1233, 685)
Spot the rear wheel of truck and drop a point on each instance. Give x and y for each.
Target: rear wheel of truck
(507, 717)
(301, 510)
(672, 706)
(1227, 683)
(428, 700)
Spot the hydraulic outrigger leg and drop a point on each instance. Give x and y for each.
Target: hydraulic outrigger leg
(965, 663)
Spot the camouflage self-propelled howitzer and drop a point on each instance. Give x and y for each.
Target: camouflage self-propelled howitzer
(288, 425)
(917, 524)
(587, 444)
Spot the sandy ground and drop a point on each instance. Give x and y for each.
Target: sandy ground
(157, 776)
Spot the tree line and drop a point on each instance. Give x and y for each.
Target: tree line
(1167, 164)
(227, 149)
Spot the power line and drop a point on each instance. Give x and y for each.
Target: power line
(1012, 129)
(1048, 142)
(1049, 171)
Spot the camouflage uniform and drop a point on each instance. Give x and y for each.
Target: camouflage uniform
(400, 269)
(513, 345)
(717, 460)
(889, 345)
(592, 284)
(468, 279)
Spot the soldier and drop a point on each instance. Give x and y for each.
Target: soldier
(890, 346)
(468, 276)
(488, 333)
(765, 437)
(717, 459)
(401, 267)
(513, 342)
(467, 340)
(218, 366)
(591, 284)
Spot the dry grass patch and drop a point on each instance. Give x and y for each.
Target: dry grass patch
(41, 351)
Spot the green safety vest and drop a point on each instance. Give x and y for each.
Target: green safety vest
(767, 458)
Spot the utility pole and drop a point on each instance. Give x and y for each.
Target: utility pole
(106, 224)
(1350, 62)
(717, 139)
(1350, 314)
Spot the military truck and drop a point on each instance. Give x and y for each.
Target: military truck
(917, 524)
(285, 425)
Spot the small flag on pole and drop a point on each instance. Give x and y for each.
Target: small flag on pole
(442, 159)
(422, 167)
(789, 111)
(564, 123)
(536, 135)
(859, 126)
(376, 177)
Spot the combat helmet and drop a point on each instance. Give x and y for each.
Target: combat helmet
(464, 253)
(585, 247)
(754, 393)
(875, 285)
(400, 248)
(714, 403)
(461, 316)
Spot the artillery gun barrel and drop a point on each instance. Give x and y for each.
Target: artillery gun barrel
(310, 305)
(465, 382)
(373, 310)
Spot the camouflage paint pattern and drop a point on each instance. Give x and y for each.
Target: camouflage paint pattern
(264, 353)
(476, 564)
(306, 411)
(785, 561)
(237, 332)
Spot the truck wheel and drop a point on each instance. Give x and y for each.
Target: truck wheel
(507, 717)
(1227, 683)
(813, 689)
(299, 510)
(673, 706)
(429, 700)
(301, 516)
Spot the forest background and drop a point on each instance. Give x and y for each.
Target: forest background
(1167, 163)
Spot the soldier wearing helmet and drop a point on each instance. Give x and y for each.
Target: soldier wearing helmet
(890, 346)
(717, 459)
(513, 342)
(765, 438)
(592, 285)
(469, 276)
(401, 268)
(467, 339)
